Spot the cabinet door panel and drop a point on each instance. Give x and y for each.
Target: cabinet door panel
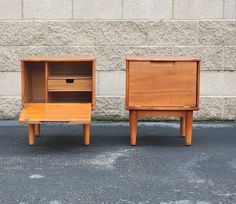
(165, 84)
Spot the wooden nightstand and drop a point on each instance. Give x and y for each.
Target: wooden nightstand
(162, 87)
(57, 90)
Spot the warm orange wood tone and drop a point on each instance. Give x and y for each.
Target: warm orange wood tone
(31, 134)
(86, 128)
(56, 112)
(182, 126)
(57, 90)
(162, 87)
(162, 84)
(133, 127)
(166, 113)
(160, 59)
(37, 130)
(189, 124)
(70, 85)
(58, 59)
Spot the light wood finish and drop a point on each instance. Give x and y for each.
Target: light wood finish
(86, 128)
(133, 127)
(166, 84)
(70, 84)
(56, 112)
(57, 89)
(189, 124)
(164, 59)
(162, 87)
(69, 76)
(37, 130)
(160, 113)
(182, 127)
(31, 134)
(70, 97)
(46, 82)
(37, 72)
(94, 85)
(58, 59)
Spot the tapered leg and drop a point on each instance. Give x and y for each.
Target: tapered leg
(133, 127)
(86, 134)
(189, 124)
(31, 134)
(37, 130)
(182, 126)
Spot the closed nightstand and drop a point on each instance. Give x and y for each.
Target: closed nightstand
(162, 87)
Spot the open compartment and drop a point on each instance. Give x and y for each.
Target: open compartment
(69, 97)
(33, 85)
(69, 70)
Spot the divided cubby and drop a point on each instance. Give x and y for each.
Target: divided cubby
(59, 80)
(33, 83)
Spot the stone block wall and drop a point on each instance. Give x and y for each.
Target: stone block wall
(111, 30)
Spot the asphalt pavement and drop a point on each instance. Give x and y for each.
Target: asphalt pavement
(160, 169)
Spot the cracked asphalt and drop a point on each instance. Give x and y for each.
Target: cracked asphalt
(59, 169)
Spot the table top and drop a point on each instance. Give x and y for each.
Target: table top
(169, 58)
(57, 59)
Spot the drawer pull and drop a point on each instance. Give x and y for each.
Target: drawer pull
(162, 63)
(69, 81)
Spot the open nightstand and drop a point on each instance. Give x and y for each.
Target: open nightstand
(57, 90)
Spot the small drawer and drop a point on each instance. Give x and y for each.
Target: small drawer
(70, 84)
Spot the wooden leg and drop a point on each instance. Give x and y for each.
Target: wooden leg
(86, 134)
(189, 124)
(31, 134)
(37, 130)
(133, 127)
(182, 126)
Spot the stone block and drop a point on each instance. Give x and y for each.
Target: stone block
(229, 108)
(97, 9)
(229, 32)
(109, 107)
(211, 108)
(74, 51)
(23, 33)
(121, 33)
(218, 83)
(212, 56)
(109, 58)
(111, 83)
(166, 33)
(10, 56)
(217, 33)
(47, 9)
(198, 9)
(210, 33)
(229, 84)
(212, 83)
(230, 58)
(10, 9)
(230, 9)
(10, 84)
(10, 107)
(147, 9)
(72, 33)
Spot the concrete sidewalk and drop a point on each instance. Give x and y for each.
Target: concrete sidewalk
(59, 169)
